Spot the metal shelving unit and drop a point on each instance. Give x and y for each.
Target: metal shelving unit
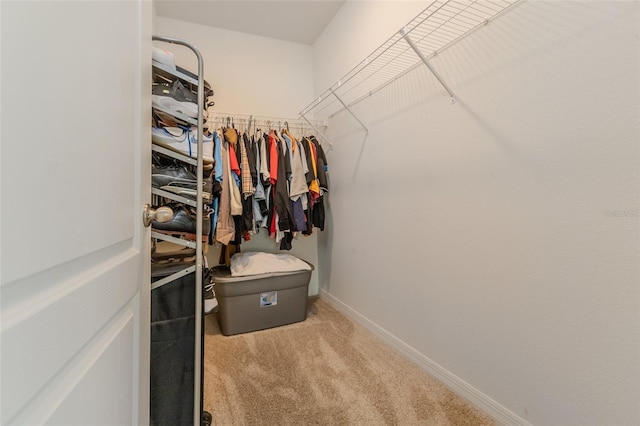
(440, 25)
(198, 204)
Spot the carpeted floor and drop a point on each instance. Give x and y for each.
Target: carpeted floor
(326, 370)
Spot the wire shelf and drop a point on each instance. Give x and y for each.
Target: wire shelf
(437, 27)
(261, 121)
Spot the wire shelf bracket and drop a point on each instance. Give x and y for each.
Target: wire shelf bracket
(439, 26)
(349, 109)
(317, 131)
(415, 48)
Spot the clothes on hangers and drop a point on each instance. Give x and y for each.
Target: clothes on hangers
(298, 185)
(269, 180)
(225, 227)
(280, 196)
(217, 183)
(264, 165)
(260, 209)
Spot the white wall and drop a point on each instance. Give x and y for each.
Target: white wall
(499, 236)
(250, 75)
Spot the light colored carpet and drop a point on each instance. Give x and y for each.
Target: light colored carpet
(326, 370)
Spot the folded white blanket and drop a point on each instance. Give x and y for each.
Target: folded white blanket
(255, 263)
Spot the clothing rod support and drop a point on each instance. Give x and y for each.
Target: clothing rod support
(433, 71)
(349, 109)
(318, 131)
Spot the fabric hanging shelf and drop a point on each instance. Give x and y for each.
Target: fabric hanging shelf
(440, 25)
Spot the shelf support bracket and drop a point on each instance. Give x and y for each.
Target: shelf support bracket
(433, 71)
(172, 277)
(317, 131)
(349, 109)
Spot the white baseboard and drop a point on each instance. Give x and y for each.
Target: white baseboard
(483, 402)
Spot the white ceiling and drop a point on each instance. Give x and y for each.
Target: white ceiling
(296, 21)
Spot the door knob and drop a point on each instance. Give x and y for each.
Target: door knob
(161, 214)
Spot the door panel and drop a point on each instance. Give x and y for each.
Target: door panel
(68, 112)
(88, 391)
(82, 304)
(74, 173)
(79, 405)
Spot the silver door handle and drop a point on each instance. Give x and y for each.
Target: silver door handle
(161, 214)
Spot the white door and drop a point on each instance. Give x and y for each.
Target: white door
(75, 155)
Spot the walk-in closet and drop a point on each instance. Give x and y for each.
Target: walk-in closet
(474, 149)
(325, 212)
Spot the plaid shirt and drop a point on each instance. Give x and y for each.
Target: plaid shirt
(245, 171)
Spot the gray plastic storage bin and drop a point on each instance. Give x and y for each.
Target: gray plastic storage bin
(262, 301)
